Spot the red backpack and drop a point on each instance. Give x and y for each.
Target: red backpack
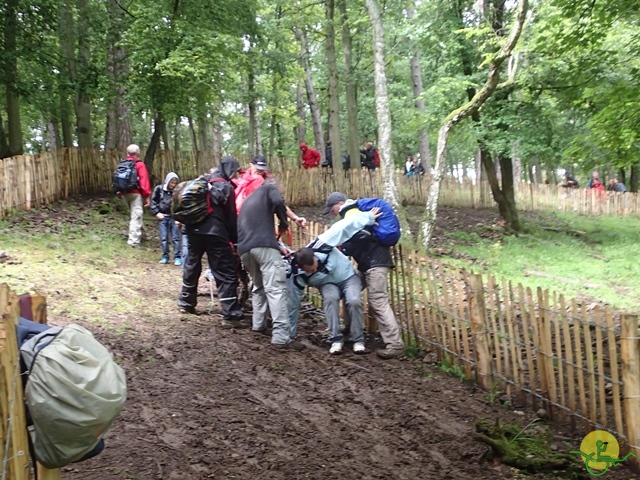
(376, 158)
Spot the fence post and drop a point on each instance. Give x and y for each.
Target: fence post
(479, 332)
(630, 353)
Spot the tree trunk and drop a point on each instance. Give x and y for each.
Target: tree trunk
(65, 121)
(53, 135)
(251, 110)
(311, 94)
(166, 144)
(301, 129)
(192, 132)
(517, 169)
(4, 146)
(538, 172)
(622, 175)
(176, 135)
(203, 141)
(217, 141)
(334, 94)
(634, 178)
(110, 129)
(82, 100)
(463, 112)
(158, 127)
(382, 107)
(350, 89)
(505, 196)
(272, 136)
(10, 78)
(416, 78)
(118, 69)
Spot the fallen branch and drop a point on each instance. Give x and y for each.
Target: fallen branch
(560, 279)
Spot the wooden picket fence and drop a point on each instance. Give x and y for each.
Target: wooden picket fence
(578, 361)
(14, 444)
(30, 181)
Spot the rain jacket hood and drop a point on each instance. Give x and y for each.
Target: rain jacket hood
(227, 168)
(170, 176)
(303, 146)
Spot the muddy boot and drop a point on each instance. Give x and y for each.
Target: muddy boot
(389, 353)
(292, 346)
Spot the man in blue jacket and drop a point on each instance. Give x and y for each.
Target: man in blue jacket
(374, 262)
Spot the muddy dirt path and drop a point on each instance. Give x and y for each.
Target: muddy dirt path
(208, 402)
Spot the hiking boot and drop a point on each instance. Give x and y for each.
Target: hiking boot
(187, 310)
(359, 348)
(389, 352)
(262, 331)
(163, 260)
(292, 346)
(177, 262)
(336, 348)
(234, 323)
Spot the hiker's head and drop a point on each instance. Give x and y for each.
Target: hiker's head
(229, 167)
(258, 166)
(595, 175)
(335, 200)
(368, 145)
(133, 150)
(306, 260)
(303, 147)
(170, 181)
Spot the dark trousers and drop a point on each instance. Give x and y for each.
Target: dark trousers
(168, 229)
(223, 262)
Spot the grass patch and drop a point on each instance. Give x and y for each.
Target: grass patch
(76, 254)
(594, 257)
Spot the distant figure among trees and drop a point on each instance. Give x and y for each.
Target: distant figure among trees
(369, 156)
(328, 156)
(310, 157)
(569, 181)
(616, 186)
(594, 181)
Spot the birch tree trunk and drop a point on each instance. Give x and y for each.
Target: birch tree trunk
(416, 78)
(350, 88)
(316, 120)
(334, 94)
(53, 135)
(455, 117)
(382, 108)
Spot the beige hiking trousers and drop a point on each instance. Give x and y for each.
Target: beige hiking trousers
(135, 202)
(377, 287)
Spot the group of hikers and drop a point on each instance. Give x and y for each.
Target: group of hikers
(594, 183)
(239, 222)
(311, 158)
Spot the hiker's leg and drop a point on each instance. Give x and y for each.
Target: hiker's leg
(258, 297)
(352, 292)
(164, 243)
(193, 268)
(134, 200)
(331, 306)
(378, 295)
(294, 296)
(175, 237)
(274, 276)
(222, 262)
(185, 250)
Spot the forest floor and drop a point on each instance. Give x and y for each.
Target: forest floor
(208, 402)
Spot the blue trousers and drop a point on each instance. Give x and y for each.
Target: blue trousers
(168, 227)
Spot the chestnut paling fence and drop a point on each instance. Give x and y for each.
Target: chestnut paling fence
(578, 361)
(14, 445)
(29, 181)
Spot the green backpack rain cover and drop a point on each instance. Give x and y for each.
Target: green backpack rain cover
(73, 392)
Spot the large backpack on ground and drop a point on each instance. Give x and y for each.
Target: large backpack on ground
(387, 230)
(191, 202)
(125, 178)
(73, 391)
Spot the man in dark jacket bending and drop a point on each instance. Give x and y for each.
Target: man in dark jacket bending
(260, 253)
(214, 236)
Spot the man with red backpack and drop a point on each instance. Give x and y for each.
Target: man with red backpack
(310, 157)
(369, 157)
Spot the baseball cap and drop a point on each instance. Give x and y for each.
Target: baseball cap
(260, 162)
(332, 200)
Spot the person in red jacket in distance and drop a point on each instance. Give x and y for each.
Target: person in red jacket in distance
(310, 157)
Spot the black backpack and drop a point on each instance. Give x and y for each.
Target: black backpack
(125, 178)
